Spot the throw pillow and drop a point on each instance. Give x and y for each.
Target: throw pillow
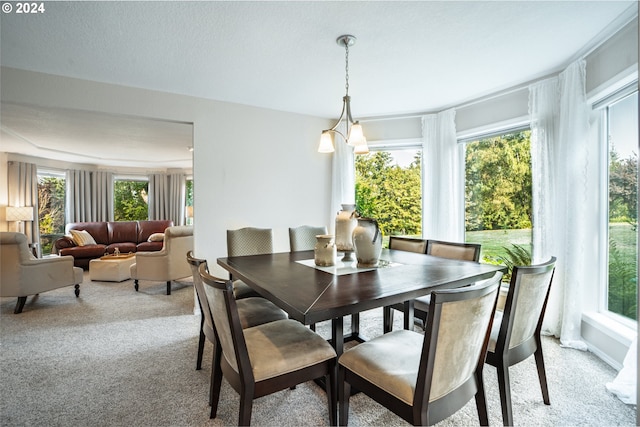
(156, 237)
(82, 237)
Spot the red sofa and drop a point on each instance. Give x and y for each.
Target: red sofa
(127, 236)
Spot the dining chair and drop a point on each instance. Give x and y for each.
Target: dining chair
(407, 244)
(252, 311)
(303, 238)
(442, 249)
(515, 334)
(248, 241)
(266, 358)
(425, 378)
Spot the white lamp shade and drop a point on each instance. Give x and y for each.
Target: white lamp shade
(362, 147)
(326, 143)
(19, 213)
(189, 211)
(356, 136)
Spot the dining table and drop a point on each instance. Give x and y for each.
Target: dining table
(312, 294)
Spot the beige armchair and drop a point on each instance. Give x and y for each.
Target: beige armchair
(167, 264)
(21, 274)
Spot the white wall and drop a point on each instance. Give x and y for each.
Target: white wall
(252, 167)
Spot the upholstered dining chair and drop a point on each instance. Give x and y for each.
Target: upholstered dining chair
(515, 335)
(424, 379)
(408, 244)
(248, 241)
(167, 264)
(303, 238)
(264, 359)
(22, 274)
(442, 249)
(251, 310)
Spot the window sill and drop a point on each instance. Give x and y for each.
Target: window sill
(607, 338)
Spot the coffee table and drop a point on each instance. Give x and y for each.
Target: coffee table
(111, 268)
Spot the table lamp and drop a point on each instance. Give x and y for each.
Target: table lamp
(19, 214)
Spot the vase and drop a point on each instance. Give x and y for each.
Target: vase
(367, 242)
(346, 222)
(325, 250)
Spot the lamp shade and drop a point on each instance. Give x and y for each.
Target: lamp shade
(19, 213)
(326, 143)
(189, 211)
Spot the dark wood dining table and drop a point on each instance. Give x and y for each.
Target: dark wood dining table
(311, 295)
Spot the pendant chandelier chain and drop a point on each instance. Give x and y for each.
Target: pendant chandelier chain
(346, 67)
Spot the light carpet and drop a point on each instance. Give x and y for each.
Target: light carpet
(116, 357)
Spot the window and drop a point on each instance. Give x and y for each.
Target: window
(622, 136)
(389, 189)
(51, 205)
(131, 199)
(498, 198)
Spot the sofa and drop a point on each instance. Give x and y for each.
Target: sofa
(106, 237)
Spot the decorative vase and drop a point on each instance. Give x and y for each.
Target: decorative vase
(325, 250)
(367, 241)
(346, 222)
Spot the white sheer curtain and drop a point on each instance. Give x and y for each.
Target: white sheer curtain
(22, 182)
(560, 160)
(442, 178)
(343, 188)
(89, 196)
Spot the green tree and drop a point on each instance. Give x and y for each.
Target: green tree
(389, 193)
(498, 183)
(130, 200)
(623, 188)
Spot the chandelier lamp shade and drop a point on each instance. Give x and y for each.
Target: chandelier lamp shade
(353, 135)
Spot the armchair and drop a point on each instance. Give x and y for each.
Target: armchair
(167, 264)
(21, 274)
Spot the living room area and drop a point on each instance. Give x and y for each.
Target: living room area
(237, 162)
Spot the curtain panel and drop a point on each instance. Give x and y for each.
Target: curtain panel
(561, 202)
(167, 197)
(89, 196)
(22, 182)
(343, 179)
(442, 178)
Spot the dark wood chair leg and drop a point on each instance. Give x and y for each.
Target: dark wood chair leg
(168, 287)
(216, 380)
(541, 372)
(135, 285)
(20, 305)
(246, 405)
(505, 393)
(330, 381)
(344, 392)
(408, 315)
(481, 401)
(200, 346)
(77, 290)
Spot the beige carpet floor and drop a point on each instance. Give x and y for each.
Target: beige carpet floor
(116, 357)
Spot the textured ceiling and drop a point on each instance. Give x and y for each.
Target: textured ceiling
(410, 57)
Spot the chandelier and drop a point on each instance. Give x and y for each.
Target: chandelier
(354, 136)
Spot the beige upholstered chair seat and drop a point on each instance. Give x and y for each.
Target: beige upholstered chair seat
(242, 290)
(256, 311)
(282, 346)
(391, 362)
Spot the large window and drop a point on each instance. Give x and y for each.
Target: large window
(51, 204)
(498, 197)
(131, 199)
(389, 189)
(622, 136)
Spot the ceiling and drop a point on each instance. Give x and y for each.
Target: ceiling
(410, 57)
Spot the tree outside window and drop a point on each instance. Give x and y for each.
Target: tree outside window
(131, 200)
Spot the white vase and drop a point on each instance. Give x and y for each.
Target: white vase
(367, 241)
(346, 222)
(325, 250)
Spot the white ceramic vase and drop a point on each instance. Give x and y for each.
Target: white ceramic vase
(325, 252)
(346, 222)
(367, 241)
